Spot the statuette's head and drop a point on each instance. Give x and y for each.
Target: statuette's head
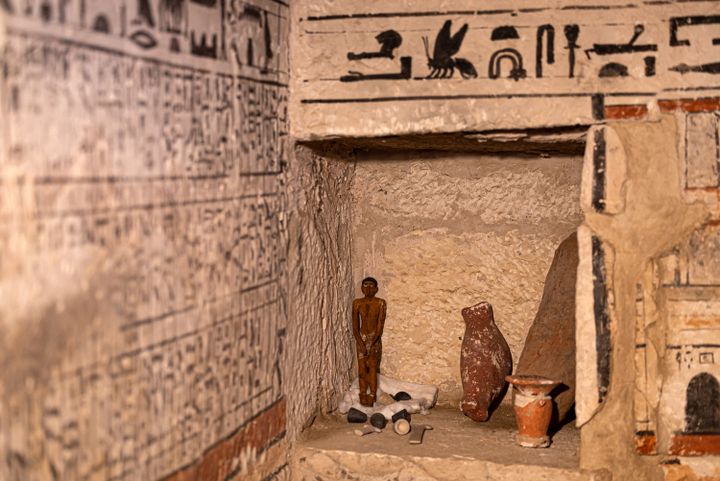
(369, 287)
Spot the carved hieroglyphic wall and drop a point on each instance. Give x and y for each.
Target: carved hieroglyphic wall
(382, 68)
(143, 213)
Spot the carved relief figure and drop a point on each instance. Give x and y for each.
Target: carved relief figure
(368, 320)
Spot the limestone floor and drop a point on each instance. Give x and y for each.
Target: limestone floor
(457, 448)
(453, 435)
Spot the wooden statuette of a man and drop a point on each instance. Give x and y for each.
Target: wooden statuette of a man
(368, 320)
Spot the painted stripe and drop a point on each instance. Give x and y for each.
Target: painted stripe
(220, 462)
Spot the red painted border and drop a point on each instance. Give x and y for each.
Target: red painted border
(217, 462)
(623, 112)
(695, 444)
(690, 105)
(638, 112)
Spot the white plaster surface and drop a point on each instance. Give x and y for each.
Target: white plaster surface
(587, 383)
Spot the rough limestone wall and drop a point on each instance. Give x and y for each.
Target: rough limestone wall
(442, 232)
(319, 349)
(143, 238)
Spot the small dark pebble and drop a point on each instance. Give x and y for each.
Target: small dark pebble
(401, 415)
(402, 396)
(378, 420)
(356, 416)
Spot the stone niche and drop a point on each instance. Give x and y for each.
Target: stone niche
(444, 222)
(442, 230)
(636, 80)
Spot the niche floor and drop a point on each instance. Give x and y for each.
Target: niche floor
(456, 449)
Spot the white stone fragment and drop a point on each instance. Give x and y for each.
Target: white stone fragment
(401, 427)
(424, 397)
(367, 429)
(586, 397)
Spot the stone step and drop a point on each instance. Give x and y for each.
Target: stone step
(334, 465)
(457, 449)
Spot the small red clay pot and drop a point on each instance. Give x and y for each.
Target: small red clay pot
(533, 409)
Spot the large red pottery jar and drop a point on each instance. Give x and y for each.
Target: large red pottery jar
(533, 409)
(485, 360)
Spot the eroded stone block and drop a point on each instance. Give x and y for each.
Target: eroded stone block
(550, 345)
(702, 150)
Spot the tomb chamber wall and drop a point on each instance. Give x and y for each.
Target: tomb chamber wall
(159, 244)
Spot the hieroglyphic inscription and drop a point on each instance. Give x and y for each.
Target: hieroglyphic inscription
(146, 175)
(497, 61)
(505, 42)
(246, 33)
